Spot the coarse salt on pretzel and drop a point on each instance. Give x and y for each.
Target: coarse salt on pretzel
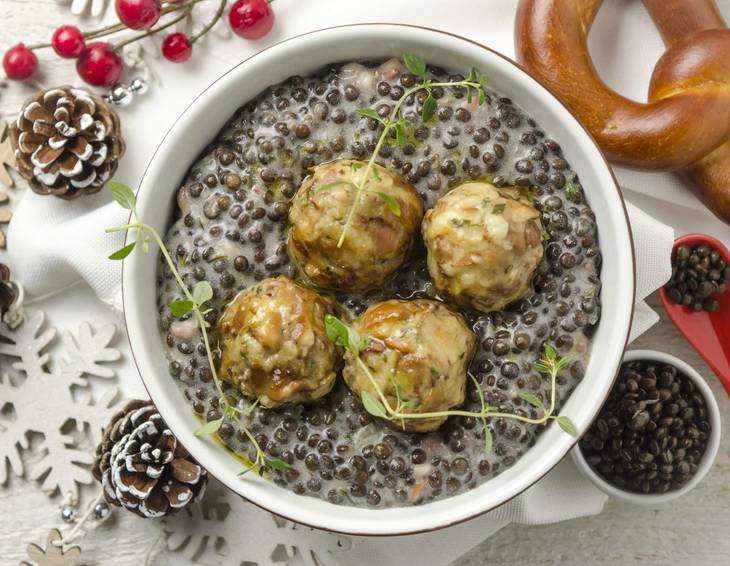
(685, 125)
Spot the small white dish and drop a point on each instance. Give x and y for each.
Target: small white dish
(708, 458)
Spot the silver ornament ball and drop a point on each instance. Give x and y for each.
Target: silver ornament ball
(138, 86)
(68, 514)
(121, 95)
(102, 511)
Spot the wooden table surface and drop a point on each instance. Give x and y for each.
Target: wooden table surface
(694, 530)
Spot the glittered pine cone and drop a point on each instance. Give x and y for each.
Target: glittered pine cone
(67, 142)
(142, 467)
(7, 290)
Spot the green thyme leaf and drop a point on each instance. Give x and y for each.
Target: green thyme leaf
(277, 463)
(562, 363)
(543, 367)
(498, 208)
(429, 108)
(124, 252)
(532, 400)
(181, 308)
(122, 194)
(202, 292)
(336, 331)
(356, 343)
(400, 133)
(344, 335)
(567, 425)
(248, 410)
(550, 352)
(488, 439)
(368, 113)
(572, 192)
(331, 185)
(415, 65)
(209, 428)
(372, 404)
(376, 173)
(391, 202)
(482, 96)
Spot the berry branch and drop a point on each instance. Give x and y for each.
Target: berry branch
(100, 63)
(214, 20)
(155, 30)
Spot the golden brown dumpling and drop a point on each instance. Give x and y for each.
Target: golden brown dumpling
(484, 244)
(274, 345)
(377, 241)
(420, 347)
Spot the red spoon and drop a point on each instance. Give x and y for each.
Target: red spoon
(709, 333)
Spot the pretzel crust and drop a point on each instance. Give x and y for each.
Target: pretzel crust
(684, 125)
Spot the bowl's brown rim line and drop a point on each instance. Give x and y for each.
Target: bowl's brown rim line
(613, 178)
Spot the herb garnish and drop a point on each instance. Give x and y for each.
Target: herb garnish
(192, 303)
(395, 121)
(572, 192)
(550, 364)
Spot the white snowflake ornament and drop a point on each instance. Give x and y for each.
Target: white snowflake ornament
(40, 398)
(211, 530)
(53, 554)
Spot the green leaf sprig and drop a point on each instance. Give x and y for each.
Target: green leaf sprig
(193, 302)
(550, 364)
(474, 83)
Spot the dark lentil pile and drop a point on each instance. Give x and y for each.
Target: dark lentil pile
(230, 230)
(652, 431)
(697, 274)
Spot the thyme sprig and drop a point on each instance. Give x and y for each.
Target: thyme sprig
(550, 364)
(194, 302)
(474, 84)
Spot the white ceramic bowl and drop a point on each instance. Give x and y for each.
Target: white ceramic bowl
(708, 458)
(200, 123)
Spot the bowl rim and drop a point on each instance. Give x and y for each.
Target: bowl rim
(707, 460)
(612, 181)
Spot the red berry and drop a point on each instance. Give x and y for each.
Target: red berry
(177, 48)
(99, 64)
(251, 19)
(20, 63)
(68, 42)
(138, 14)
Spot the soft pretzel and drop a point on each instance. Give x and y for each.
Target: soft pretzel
(684, 125)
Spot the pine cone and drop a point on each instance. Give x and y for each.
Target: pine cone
(67, 142)
(7, 291)
(142, 467)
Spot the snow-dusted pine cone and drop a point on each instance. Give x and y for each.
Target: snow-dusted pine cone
(142, 467)
(7, 291)
(67, 142)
